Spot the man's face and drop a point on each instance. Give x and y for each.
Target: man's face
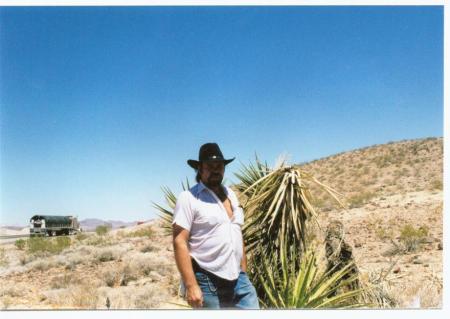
(211, 173)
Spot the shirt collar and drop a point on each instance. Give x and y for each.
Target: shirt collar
(202, 187)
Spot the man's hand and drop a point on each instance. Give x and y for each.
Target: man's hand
(194, 296)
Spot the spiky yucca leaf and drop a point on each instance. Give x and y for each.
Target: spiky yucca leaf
(278, 206)
(306, 288)
(166, 214)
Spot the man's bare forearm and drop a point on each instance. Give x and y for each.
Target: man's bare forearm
(244, 260)
(184, 263)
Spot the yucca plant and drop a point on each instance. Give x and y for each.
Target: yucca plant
(277, 205)
(166, 214)
(306, 288)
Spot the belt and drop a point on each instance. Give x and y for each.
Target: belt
(216, 279)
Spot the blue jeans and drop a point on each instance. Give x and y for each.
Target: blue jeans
(220, 293)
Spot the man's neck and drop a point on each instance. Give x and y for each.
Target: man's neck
(217, 189)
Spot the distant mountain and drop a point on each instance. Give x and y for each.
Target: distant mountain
(90, 224)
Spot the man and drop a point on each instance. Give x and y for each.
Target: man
(207, 238)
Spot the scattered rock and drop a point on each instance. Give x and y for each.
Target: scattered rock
(439, 246)
(357, 244)
(417, 261)
(396, 270)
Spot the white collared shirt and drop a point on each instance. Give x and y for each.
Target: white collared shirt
(215, 240)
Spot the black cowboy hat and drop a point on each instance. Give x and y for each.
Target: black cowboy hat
(209, 152)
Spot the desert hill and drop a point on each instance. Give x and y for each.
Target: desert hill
(381, 170)
(395, 199)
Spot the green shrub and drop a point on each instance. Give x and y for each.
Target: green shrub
(98, 241)
(20, 244)
(143, 232)
(383, 233)
(38, 245)
(61, 244)
(411, 238)
(102, 230)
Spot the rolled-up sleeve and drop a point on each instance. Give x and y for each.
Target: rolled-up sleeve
(183, 214)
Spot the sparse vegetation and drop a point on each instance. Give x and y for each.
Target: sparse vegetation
(105, 255)
(102, 230)
(149, 248)
(63, 281)
(3, 258)
(149, 299)
(384, 233)
(142, 232)
(84, 297)
(41, 245)
(360, 199)
(411, 238)
(81, 236)
(20, 244)
(436, 184)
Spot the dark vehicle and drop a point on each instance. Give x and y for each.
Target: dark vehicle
(46, 225)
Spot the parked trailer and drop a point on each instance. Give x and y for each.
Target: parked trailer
(46, 225)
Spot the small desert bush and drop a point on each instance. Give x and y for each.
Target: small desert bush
(150, 298)
(20, 244)
(98, 241)
(104, 255)
(411, 238)
(79, 257)
(11, 291)
(111, 277)
(63, 281)
(144, 265)
(102, 230)
(81, 236)
(84, 297)
(149, 248)
(383, 160)
(42, 265)
(384, 233)
(3, 258)
(360, 199)
(114, 277)
(436, 184)
(38, 245)
(143, 232)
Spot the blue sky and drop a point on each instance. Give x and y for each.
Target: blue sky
(100, 106)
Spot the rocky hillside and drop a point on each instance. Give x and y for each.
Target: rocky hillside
(380, 170)
(394, 217)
